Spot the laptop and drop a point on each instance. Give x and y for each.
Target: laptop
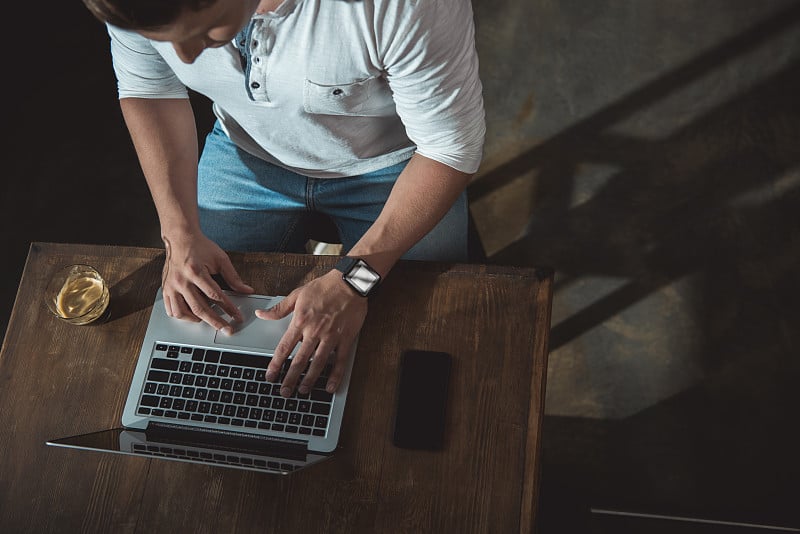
(201, 396)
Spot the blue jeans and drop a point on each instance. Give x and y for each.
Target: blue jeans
(247, 204)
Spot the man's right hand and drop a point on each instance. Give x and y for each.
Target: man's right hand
(188, 288)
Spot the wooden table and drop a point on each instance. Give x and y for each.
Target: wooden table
(60, 380)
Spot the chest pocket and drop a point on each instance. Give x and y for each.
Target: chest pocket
(370, 97)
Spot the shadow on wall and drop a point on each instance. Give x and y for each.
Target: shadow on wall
(717, 200)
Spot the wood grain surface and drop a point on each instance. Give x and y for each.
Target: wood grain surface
(58, 380)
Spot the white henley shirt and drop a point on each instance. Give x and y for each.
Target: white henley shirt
(334, 87)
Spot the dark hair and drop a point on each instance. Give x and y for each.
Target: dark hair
(142, 14)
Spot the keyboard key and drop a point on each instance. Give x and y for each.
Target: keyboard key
(320, 408)
(166, 402)
(321, 395)
(245, 360)
(229, 410)
(249, 374)
(216, 408)
(175, 391)
(185, 366)
(226, 383)
(213, 395)
(252, 400)
(188, 380)
(226, 397)
(251, 424)
(237, 422)
(201, 381)
(175, 378)
(158, 376)
(239, 398)
(161, 347)
(211, 369)
(251, 387)
(183, 415)
(178, 404)
(166, 365)
(150, 387)
(213, 382)
(143, 411)
(197, 417)
(304, 430)
(172, 414)
(318, 432)
(308, 420)
(281, 416)
(188, 393)
(197, 355)
(186, 350)
(197, 368)
(304, 406)
(212, 356)
(294, 418)
(321, 422)
(191, 406)
(291, 405)
(157, 412)
(278, 403)
(236, 372)
(210, 419)
(163, 389)
(255, 413)
(172, 354)
(223, 370)
(149, 400)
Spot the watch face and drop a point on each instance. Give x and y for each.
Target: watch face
(362, 278)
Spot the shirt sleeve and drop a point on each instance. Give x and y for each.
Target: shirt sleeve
(140, 70)
(431, 64)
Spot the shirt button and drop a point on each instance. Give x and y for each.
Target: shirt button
(255, 44)
(337, 92)
(257, 59)
(255, 85)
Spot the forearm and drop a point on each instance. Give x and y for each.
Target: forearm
(165, 138)
(422, 195)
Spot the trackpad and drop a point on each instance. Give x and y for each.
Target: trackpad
(253, 332)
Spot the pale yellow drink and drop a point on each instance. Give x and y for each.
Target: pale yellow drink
(78, 295)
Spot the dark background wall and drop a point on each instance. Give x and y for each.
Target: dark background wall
(648, 150)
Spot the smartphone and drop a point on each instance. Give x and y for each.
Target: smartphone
(421, 401)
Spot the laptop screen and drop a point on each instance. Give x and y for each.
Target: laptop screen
(227, 451)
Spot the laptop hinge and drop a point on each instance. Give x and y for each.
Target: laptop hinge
(225, 440)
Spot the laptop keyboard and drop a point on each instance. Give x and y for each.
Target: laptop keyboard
(230, 389)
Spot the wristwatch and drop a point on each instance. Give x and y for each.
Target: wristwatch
(357, 273)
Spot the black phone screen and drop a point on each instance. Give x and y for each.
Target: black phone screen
(421, 399)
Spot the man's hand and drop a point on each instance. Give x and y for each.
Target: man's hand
(327, 318)
(187, 285)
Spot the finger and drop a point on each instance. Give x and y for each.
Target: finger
(285, 346)
(298, 366)
(322, 355)
(230, 275)
(342, 355)
(179, 308)
(280, 310)
(211, 289)
(168, 306)
(199, 306)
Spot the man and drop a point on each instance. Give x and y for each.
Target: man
(367, 110)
